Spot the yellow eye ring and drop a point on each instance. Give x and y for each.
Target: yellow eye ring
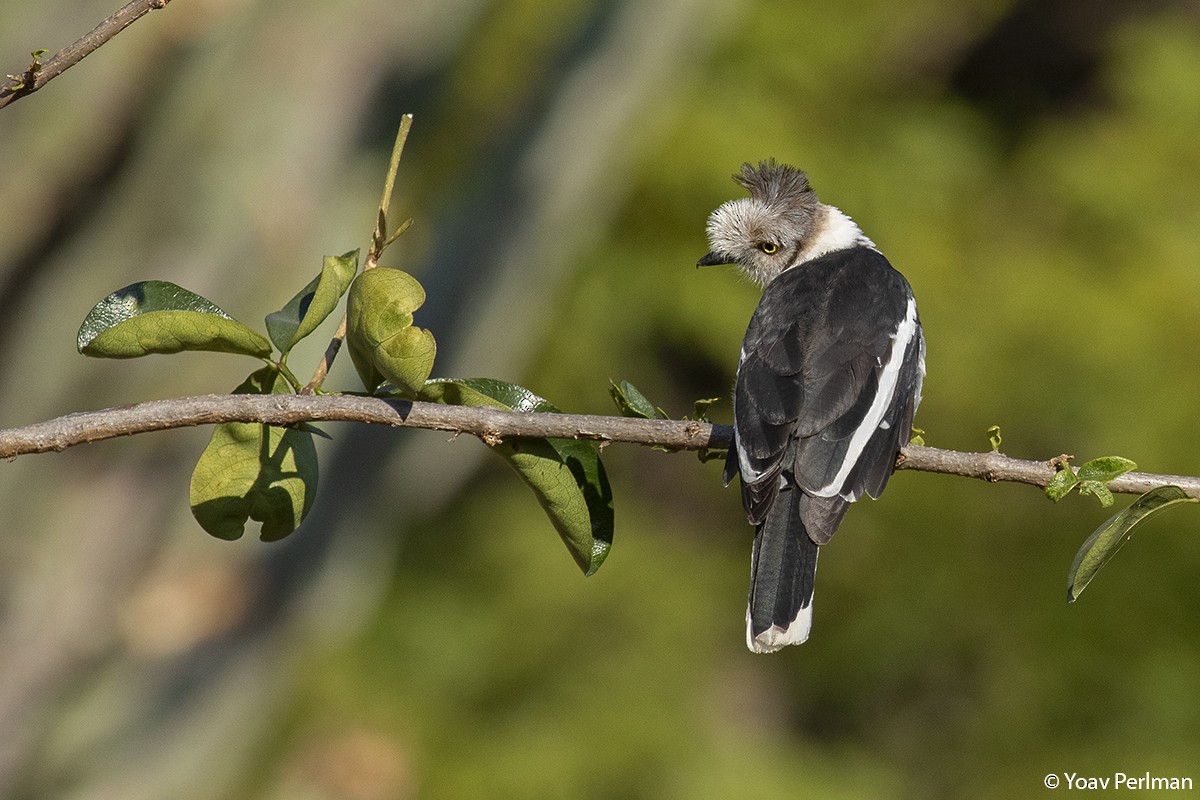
(770, 248)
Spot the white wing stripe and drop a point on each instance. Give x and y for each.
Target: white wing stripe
(888, 377)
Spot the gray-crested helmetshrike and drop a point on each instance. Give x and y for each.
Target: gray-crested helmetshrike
(827, 383)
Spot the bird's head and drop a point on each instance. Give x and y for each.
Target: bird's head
(765, 233)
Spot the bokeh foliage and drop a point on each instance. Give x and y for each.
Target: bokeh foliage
(456, 651)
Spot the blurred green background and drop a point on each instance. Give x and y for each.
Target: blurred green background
(1031, 167)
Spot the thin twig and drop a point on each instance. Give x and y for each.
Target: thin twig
(995, 467)
(322, 370)
(491, 425)
(39, 73)
(379, 242)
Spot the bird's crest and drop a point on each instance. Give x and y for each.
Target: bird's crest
(775, 183)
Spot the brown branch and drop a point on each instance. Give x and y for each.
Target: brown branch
(490, 425)
(40, 73)
(487, 423)
(994, 467)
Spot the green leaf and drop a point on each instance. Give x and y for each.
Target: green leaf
(1105, 469)
(406, 359)
(485, 392)
(161, 317)
(632, 403)
(917, 437)
(700, 408)
(1108, 538)
(383, 343)
(254, 471)
(1062, 483)
(1091, 478)
(994, 438)
(314, 303)
(1099, 490)
(566, 475)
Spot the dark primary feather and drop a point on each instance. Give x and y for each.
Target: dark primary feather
(820, 456)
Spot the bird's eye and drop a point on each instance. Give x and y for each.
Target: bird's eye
(770, 248)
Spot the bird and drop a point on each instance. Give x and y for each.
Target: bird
(828, 381)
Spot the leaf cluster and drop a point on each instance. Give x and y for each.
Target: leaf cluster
(268, 474)
(1092, 478)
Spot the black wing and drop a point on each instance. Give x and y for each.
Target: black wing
(828, 381)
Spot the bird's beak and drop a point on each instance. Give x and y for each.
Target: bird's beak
(712, 260)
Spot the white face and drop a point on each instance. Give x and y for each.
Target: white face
(762, 240)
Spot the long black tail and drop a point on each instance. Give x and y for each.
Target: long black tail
(784, 568)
